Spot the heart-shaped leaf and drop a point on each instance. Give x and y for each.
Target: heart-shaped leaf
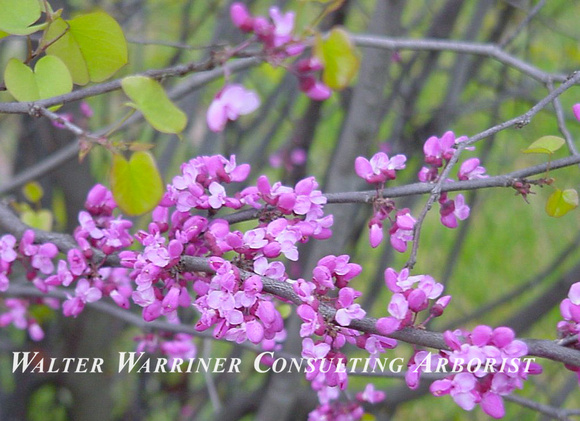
(136, 184)
(41, 219)
(561, 202)
(50, 78)
(546, 145)
(339, 57)
(149, 97)
(92, 46)
(16, 16)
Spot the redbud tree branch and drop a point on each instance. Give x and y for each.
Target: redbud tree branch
(518, 122)
(536, 347)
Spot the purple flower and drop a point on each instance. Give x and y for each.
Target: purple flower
(231, 102)
(402, 230)
(371, 395)
(241, 17)
(42, 260)
(438, 149)
(84, 293)
(471, 170)
(309, 350)
(576, 111)
(76, 261)
(375, 232)
(7, 252)
(380, 168)
(452, 210)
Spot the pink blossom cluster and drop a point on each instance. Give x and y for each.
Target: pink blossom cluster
(230, 301)
(98, 229)
(15, 313)
(377, 171)
(570, 326)
(177, 347)
(437, 152)
(236, 308)
(411, 295)
(490, 366)
(349, 410)
(275, 35)
(402, 224)
(328, 376)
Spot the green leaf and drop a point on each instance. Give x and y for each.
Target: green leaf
(561, 202)
(16, 16)
(50, 78)
(93, 46)
(339, 57)
(136, 184)
(150, 98)
(41, 219)
(546, 145)
(33, 192)
(3, 34)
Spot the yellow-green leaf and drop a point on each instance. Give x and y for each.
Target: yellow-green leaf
(3, 34)
(16, 16)
(136, 184)
(561, 202)
(33, 192)
(339, 57)
(50, 78)
(41, 219)
(93, 46)
(546, 145)
(149, 97)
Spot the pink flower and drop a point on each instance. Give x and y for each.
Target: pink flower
(283, 26)
(471, 170)
(7, 253)
(576, 111)
(241, 17)
(375, 232)
(84, 293)
(42, 260)
(438, 149)
(231, 102)
(309, 350)
(371, 395)
(452, 210)
(314, 89)
(380, 168)
(86, 109)
(402, 230)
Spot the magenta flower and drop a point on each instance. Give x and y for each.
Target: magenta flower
(471, 170)
(84, 293)
(380, 168)
(314, 88)
(438, 149)
(42, 260)
(375, 232)
(318, 351)
(371, 395)
(241, 17)
(7, 253)
(452, 210)
(231, 102)
(576, 111)
(402, 230)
